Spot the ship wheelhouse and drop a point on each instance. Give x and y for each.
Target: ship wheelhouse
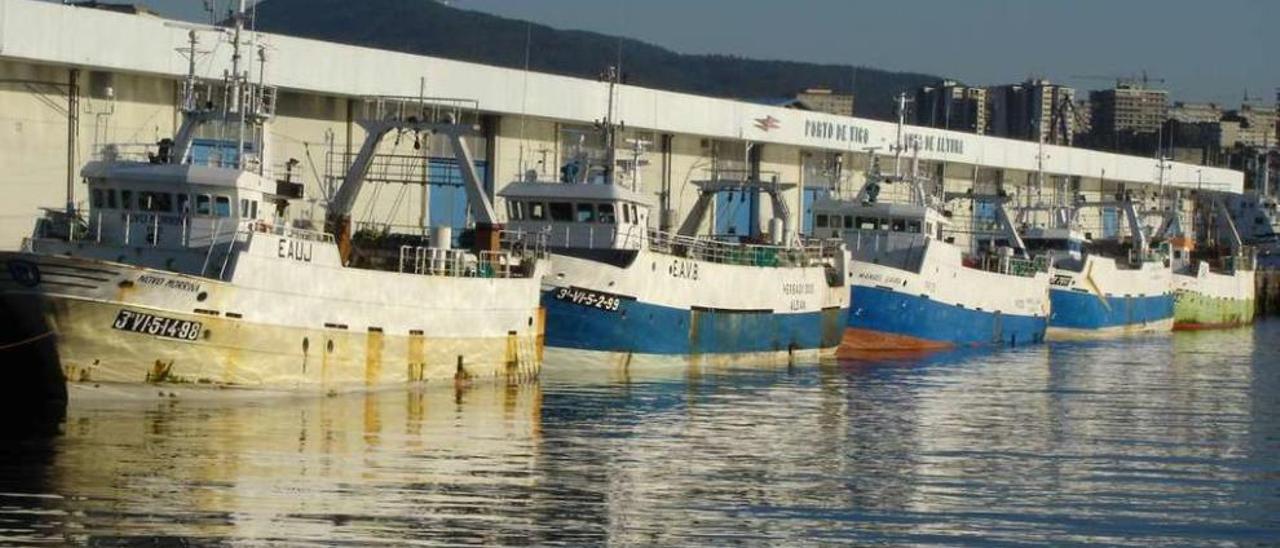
(186, 206)
(889, 234)
(578, 215)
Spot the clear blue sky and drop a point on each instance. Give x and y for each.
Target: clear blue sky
(1206, 50)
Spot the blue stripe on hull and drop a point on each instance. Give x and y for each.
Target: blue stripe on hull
(646, 328)
(1076, 310)
(886, 311)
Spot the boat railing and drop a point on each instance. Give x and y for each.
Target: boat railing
(457, 263)
(814, 253)
(134, 229)
(125, 152)
(1007, 264)
(424, 109)
(264, 227)
(525, 244)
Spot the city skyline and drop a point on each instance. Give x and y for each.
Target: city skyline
(1005, 41)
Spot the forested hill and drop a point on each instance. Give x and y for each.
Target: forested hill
(430, 28)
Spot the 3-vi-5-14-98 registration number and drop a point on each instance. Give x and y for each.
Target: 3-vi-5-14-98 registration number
(150, 324)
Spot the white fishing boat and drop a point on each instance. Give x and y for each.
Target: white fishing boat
(1102, 288)
(912, 289)
(194, 268)
(620, 288)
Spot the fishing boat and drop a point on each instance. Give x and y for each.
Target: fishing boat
(1102, 288)
(1213, 282)
(193, 267)
(619, 288)
(912, 289)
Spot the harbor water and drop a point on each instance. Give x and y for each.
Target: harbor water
(1158, 439)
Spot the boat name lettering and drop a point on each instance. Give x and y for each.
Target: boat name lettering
(160, 281)
(797, 288)
(160, 326)
(886, 280)
(589, 298)
(292, 249)
(683, 269)
(1061, 280)
(798, 305)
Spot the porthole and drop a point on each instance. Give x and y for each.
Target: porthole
(202, 296)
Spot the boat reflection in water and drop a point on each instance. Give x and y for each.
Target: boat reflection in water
(1157, 439)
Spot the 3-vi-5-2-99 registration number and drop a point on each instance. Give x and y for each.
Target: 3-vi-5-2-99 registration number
(160, 326)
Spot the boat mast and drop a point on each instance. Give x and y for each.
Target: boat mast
(610, 132)
(237, 91)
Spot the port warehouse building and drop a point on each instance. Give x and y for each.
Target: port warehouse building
(129, 71)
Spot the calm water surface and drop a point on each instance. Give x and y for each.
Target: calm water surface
(1159, 440)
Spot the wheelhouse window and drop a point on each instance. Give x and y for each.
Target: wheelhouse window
(606, 214)
(848, 221)
(586, 213)
(537, 211)
(913, 227)
(515, 210)
(126, 199)
(96, 200)
(866, 223)
(112, 202)
(561, 212)
(184, 204)
(626, 214)
(222, 206)
(820, 220)
(203, 204)
(156, 202)
(898, 225)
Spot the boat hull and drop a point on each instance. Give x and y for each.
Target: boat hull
(664, 305)
(110, 325)
(1102, 300)
(942, 305)
(1210, 300)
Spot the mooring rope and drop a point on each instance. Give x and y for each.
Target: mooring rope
(26, 341)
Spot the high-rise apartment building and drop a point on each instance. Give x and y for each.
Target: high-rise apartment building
(1035, 110)
(951, 105)
(1128, 109)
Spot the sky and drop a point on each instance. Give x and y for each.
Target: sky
(1203, 50)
